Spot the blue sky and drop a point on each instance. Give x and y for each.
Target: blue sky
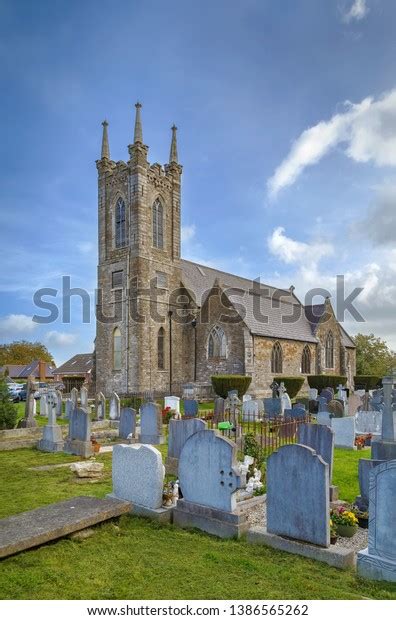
(287, 134)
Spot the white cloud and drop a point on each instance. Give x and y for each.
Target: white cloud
(299, 252)
(60, 339)
(379, 224)
(86, 247)
(366, 129)
(358, 11)
(16, 324)
(187, 233)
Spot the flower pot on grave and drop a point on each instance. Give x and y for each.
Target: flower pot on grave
(346, 531)
(363, 522)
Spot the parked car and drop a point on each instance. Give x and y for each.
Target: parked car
(20, 395)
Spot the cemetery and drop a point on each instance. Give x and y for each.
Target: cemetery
(254, 486)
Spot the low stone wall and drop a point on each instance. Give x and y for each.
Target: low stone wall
(15, 438)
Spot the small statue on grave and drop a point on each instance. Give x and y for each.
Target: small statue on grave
(275, 389)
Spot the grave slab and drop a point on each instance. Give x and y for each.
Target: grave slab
(37, 527)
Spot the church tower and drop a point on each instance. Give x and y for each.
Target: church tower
(139, 268)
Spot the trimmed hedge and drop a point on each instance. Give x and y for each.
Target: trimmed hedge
(323, 381)
(222, 384)
(292, 384)
(367, 382)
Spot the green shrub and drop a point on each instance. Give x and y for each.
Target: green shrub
(323, 381)
(222, 384)
(8, 411)
(292, 384)
(253, 448)
(367, 382)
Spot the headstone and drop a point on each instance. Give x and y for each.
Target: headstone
(219, 407)
(323, 417)
(284, 398)
(190, 407)
(74, 397)
(250, 411)
(58, 403)
(114, 406)
(385, 448)
(68, 407)
(313, 394)
(84, 397)
(246, 397)
(321, 439)
(100, 406)
(298, 495)
(344, 429)
(138, 475)
(127, 423)
(322, 403)
(336, 407)
(52, 439)
(368, 422)
(378, 560)
(341, 393)
(296, 412)
(188, 390)
(28, 420)
(354, 402)
(173, 402)
(272, 406)
(151, 424)
(274, 389)
(79, 438)
(365, 468)
(327, 393)
(180, 431)
(208, 471)
(43, 405)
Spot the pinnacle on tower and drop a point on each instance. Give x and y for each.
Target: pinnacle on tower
(173, 159)
(138, 135)
(105, 141)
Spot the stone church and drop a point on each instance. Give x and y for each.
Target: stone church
(163, 321)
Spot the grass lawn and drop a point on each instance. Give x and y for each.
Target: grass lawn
(132, 558)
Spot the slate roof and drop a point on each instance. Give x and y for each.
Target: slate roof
(271, 302)
(77, 365)
(23, 371)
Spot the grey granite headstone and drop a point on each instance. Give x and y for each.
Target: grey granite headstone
(354, 403)
(190, 407)
(327, 393)
(52, 439)
(321, 439)
(79, 438)
(138, 475)
(323, 417)
(312, 394)
(378, 560)
(344, 430)
(68, 407)
(272, 406)
(58, 403)
(208, 471)
(100, 406)
(298, 495)
(127, 422)
(219, 408)
(84, 397)
(385, 448)
(74, 397)
(250, 411)
(180, 431)
(368, 422)
(297, 413)
(151, 424)
(365, 468)
(43, 405)
(322, 403)
(114, 406)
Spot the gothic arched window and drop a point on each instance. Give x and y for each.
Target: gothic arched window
(217, 343)
(329, 350)
(161, 348)
(306, 360)
(158, 224)
(117, 349)
(276, 358)
(120, 224)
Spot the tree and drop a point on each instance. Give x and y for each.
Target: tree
(373, 356)
(24, 352)
(8, 412)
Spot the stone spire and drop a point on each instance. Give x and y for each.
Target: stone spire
(173, 159)
(105, 141)
(138, 135)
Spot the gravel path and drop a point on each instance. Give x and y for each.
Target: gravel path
(257, 516)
